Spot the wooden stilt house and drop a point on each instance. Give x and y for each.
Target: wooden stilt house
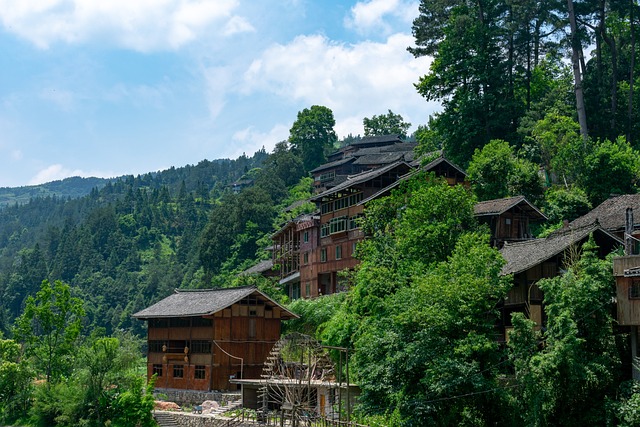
(199, 339)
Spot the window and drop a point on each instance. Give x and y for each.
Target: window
(354, 199)
(200, 347)
(199, 373)
(201, 321)
(305, 236)
(338, 225)
(634, 290)
(155, 346)
(306, 257)
(180, 322)
(324, 230)
(157, 370)
(308, 289)
(158, 323)
(178, 371)
(338, 251)
(323, 255)
(326, 207)
(354, 222)
(295, 293)
(327, 176)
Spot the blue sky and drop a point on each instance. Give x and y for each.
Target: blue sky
(107, 88)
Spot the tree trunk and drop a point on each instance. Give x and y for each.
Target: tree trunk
(611, 42)
(632, 65)
(577, 75)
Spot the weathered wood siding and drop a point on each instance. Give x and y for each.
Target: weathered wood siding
(244, 331)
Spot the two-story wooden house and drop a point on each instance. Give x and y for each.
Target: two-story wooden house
(531, 260)
(198, 339)
(509, 219)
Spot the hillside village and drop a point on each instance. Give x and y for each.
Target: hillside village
(480, 270)
(311, 253)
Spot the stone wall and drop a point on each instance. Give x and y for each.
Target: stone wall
(192, 397)
(194, 420)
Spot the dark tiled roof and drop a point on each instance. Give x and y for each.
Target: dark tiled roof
(332, 164)
(387, 190)
(192, 303)
(259, 268)
(359, 178)
(297, 220)
(611, 213)
(379, 158)
(432, 165)
(499, 206)
(521, 256)
(377, 139)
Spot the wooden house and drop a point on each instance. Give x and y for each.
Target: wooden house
(340, 211)
(531, 260)
(366, 154)
(509, 219)
(199, 339)
(293, 246)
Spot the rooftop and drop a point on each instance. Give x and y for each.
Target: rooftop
(500, 206)
(201, 302)
(521, 256)
(360, 178)
(611, 213)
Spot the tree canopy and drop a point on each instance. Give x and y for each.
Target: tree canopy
(386, 124)
(312, 135)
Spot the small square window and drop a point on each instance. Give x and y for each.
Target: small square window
(178, 371)
(157, 370)
(199, 373)
(634, 290)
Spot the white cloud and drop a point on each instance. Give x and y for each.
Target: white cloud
(249, 140)
(373, 15)
(142, 25)
(237, 24)
(355, 81)
(57, 171)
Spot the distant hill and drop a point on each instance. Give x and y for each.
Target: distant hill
(72, 188)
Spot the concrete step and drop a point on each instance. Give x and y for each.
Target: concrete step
(165, 419)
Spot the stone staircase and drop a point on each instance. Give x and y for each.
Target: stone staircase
(230, 406)
(164, 419)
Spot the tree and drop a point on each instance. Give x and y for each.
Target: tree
(612, 168)
(16, 382)
(421, 312)
(495, 172)
(569, 380)
(312, 135)
(49, 329)
(386, 124)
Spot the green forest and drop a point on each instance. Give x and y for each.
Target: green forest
(538, 99)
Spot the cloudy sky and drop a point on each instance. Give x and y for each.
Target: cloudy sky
(106, 88)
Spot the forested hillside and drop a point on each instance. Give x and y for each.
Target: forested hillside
(123, 245)
(72, 188)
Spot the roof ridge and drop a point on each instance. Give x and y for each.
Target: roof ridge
(178, 291)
